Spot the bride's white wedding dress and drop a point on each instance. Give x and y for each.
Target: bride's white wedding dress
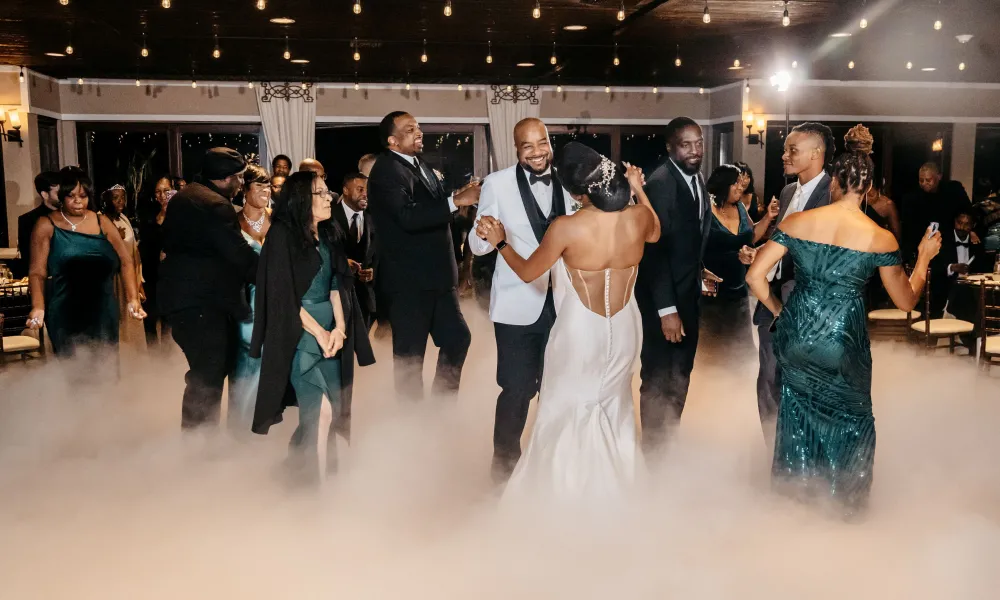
(583, 444)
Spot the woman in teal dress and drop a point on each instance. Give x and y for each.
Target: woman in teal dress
(255, 221)
(300, 325)
(75, 256)
(825, 444)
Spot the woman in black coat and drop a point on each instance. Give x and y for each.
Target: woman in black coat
(308, 325)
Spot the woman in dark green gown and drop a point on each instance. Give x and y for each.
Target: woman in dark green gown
(825, 444)
(75, 256)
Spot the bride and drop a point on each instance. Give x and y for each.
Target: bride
(584, 440)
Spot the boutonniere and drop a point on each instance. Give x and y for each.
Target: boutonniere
(438, 174)
(711, 198)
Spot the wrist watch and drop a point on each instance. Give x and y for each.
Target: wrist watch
(501, 245)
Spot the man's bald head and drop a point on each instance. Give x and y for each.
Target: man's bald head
(311, 164)
(531, 139)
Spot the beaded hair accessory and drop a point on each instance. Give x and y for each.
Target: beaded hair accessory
(607, 174)
(116, 187)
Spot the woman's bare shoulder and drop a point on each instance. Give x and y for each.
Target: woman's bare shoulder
(884, 241)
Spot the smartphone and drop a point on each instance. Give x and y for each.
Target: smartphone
(934, 229)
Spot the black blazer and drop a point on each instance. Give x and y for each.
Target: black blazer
(670, 273)
(362, 251)
(208, 262)
(25, 225)
(949, 256)
(413, 222)
(286, 270)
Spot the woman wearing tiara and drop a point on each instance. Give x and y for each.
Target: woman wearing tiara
(583, 444)
(131, 332)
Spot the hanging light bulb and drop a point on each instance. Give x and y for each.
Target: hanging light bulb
(194, 83)
(447, 8)
(261, 4)
(537, 11)
(460, 87)
(357, 7)
(165, 3)
(705, 16)
(423, 57)
(864, 23)
(553, 60)
(138, 83)
(746, 86)
(909, 65)
(795, 64)
(489, 53)
(736, 63)
(656, 90)
(961, 66)
(144, 52)
(216, 53)
(64, 2)
(621, 11)
(79, 81)
(305, 85)
(607, 89)
(558, 89)
(937, 25)
(850, 65)
(701, 90)
(357, 53)
(20, 75)
(250, 85)
(288, 53)
(785, 20)
(407, 85)
(616, 61)
(69, 49)
(677, 61)
(357, 86)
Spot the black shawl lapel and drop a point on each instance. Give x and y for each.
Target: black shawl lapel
(539, 222)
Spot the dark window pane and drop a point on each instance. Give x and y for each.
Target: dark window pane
(644, 150)
(600, 142)
(129, 158)
(194, 145)
(340, 148)
(453, 155)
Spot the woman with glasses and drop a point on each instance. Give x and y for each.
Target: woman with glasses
(255, 221)
(305, 310)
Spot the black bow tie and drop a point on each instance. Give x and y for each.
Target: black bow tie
(544, 179)
(963, 244)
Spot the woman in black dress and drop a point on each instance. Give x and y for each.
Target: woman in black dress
(725, 318)
(150, 248)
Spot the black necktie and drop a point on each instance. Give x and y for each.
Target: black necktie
(544, 179)
(425, 174)
(355, 230)
(694, 190)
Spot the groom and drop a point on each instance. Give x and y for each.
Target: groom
(526, 198)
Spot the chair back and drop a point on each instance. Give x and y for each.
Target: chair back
(15, 306)
(989, 310)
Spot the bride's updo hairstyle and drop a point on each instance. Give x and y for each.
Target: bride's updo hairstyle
(853, 171)
(585, 171)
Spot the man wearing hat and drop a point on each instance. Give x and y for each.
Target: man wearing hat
(202, 283)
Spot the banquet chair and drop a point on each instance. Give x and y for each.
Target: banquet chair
(15, 338)
(989, 311)
(930, 331)
(892, 323)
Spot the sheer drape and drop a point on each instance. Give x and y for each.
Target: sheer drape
(503, 117)
(289, 128)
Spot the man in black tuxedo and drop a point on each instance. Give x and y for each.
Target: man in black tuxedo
(670, 281)
(47, 186)
(809, 148)
(960, 255)
(412, 214)
(936, 201)
(359, 242)
(201, 292)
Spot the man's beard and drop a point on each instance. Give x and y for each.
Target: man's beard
(687, 169)
(527, 167)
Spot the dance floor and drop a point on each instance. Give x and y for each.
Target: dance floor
(102, 498)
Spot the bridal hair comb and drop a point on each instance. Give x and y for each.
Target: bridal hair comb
(607, 174)
(115, 187)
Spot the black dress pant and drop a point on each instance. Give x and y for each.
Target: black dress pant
(665, 376)
(415, 314)
(520, 360)
(209, 339)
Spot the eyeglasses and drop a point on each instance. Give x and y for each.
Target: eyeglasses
(327, 194)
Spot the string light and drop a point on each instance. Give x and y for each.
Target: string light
(145, 51)
(909, 65)
(736, 63)
(460, 87)
(64, 2)
(864, 23)
(261, 4)
(961, 66)
(558, 89)
(407, 86)
(69, 49)
(357, 53)
(165, 3)
(288, 53)
(621, 11)
(138, 83)
(785, 20)
(489, 52)
(304, 85)
(194, 84)
(795, 64)
(20, 75)
(447, 8)
(701, 90)
(656, 90)
(423, 57)
(357, 86)
(677, 61)
(537, 11)
(250, 85)
(850, 65)
(616, 61)
(357, 7)
(216, 53)
(79, 81)
(553, 60)
(937, 25)
(706, 17)
(607, 89)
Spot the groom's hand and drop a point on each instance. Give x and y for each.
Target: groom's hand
(672, 328)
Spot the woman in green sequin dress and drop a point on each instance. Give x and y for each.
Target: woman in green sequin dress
(825, 444)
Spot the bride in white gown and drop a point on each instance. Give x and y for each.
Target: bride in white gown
(583, 444)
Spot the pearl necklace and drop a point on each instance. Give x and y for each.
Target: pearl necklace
(72, 225)
(258, 224)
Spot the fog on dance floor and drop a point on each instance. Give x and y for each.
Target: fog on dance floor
(101, 497)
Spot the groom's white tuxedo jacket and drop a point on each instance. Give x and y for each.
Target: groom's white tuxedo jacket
(512, 301)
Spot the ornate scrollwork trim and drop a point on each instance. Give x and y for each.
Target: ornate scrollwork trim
(286, 91)
(514, 93)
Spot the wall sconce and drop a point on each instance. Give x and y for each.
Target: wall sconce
(14, 133)
(750, 123)
(937, 145)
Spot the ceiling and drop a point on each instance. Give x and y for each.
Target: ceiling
(107, 38)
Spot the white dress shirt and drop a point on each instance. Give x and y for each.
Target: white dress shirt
(696, 190)
(803, 191)
(964, 256)
(413, 161)
(350, 212)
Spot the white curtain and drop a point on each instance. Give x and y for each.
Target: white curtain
(503, 117)
(289, 128)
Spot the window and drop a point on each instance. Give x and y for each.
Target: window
(986, 172)
(194, 144)
(48, 144)
(643, 147)
(601, 139)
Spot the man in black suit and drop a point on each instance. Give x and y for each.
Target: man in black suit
(359, 243)
(670, 281)
(936, 201)
(47, 186)
(203, 276)
(960, 255)
(412, 214)
(809, 148)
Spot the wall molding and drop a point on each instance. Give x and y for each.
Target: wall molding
(162, 118)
